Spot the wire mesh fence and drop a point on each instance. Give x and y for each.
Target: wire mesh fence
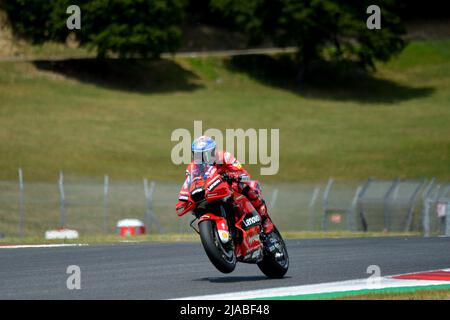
(436, 209)
(95, 205)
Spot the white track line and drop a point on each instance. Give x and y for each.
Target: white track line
(42, 246)
(340, 286)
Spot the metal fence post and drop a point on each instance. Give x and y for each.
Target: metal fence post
(149, 213)
(21, 202)
(447, 219)
(105, 203)
(311, 207)
(426, 217)
(61, 199)
(147, 204)
(387, 202)
(360, 206)
(443, 199)
(412, 205)
(273, 200)
(352, 212)
(325, 202)
(426, 208)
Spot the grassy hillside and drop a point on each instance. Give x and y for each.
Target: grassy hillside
(116, 117)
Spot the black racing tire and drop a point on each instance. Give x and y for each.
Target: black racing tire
(222, 258)
(272, 267)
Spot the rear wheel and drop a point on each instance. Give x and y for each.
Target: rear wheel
(221, 256)
(275, 264)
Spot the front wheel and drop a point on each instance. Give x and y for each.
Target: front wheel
(275, 264)
(221, 256)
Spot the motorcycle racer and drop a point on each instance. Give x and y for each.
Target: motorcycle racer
(204, 153)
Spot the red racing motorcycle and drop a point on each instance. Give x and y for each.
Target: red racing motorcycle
(229, 226)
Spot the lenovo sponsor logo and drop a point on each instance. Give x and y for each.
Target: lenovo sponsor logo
(214, 184)
(251, 221)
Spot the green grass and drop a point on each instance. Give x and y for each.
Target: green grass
(117, 117)
(103, 239)
(426, 292)
(434, 294)
(187, 237)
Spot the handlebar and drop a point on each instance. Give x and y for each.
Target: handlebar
(229, 178)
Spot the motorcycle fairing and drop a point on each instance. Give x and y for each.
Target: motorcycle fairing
(249, 248)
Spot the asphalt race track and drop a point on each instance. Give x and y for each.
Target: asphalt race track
(171, 270)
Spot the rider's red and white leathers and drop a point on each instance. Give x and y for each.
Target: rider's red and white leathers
(226, 163)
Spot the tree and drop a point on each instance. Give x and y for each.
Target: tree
(30, 18)
(128, 28)
(318, 27)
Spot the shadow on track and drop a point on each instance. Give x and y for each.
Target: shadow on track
(236, 279)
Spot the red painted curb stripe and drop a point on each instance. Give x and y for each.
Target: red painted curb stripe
(439, 275)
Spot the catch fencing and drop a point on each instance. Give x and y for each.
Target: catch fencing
(94, 205)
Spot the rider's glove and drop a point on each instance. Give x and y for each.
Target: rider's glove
(225, 177)
(230, 178)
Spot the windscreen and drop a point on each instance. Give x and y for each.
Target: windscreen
(199, 171)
